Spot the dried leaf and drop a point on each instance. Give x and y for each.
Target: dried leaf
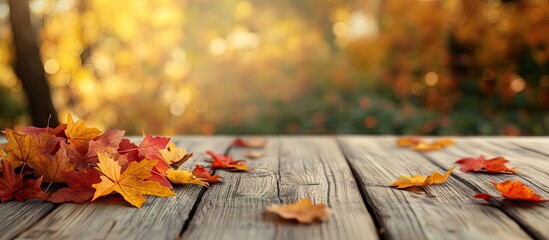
(514, 190)
(408, 141)
(254, 142)
(108, 143)
(132, 184)
(226, 162)
(80, 187)
(12, 185)
(51, 168)
(20, 148)
(78, 134)
(423, 146)
(418, 180)
(303, 211)
(495, 165)
(202, 173)
(185, 177)
(150, 147)
(174, 155)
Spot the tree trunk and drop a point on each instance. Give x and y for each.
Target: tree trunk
(28, 66)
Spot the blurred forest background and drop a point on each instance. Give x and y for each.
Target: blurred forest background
(447, 67)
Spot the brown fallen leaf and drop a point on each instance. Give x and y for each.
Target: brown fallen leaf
(303, 211)
(255, 154)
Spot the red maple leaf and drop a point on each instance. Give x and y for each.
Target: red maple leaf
(496, 164)
(150, 147)
(12, 186)
(226, 162)
(130, 150)
(200, 172)
(80, 187)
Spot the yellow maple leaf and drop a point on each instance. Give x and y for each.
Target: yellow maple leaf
(303, 211)
(185, 177)
(20, 148)
(78, 134)
(175, 155)
(52, 168)
(418, 180)
(132, 184)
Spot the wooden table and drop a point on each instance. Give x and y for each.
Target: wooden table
(349, 173)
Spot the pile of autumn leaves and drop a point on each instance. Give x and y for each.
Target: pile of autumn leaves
(85, 164)
(510, 189)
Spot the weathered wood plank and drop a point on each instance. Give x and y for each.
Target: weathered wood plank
(18, 216)
(159, 218)
(533, 170)
(445, 211)
(293, 168)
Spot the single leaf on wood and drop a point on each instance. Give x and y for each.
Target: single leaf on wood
(226, 162)
(51, 168)
(78, 135)
(185, 177)
(418, 180)
(132, 183)
(495, 165)
(174, 155)
(423, 146)
(254, 142)
(303, 211)
(12, 185)
(202, 173)
(150, 147)
(514, 190)
(20, 148)
(408, 141)
(80, 187)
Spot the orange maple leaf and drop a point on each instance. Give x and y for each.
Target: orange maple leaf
(418, 180)
(303, 211)
(78, 134)
(174, 155)
(185, 177)
(52, 168)
(514, 190)
(132, 184)
(20, 148)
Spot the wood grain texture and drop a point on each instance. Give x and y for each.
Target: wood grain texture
(159, 218)
(533, 170)
(293, 168)
(444, 211)
(18, 216)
